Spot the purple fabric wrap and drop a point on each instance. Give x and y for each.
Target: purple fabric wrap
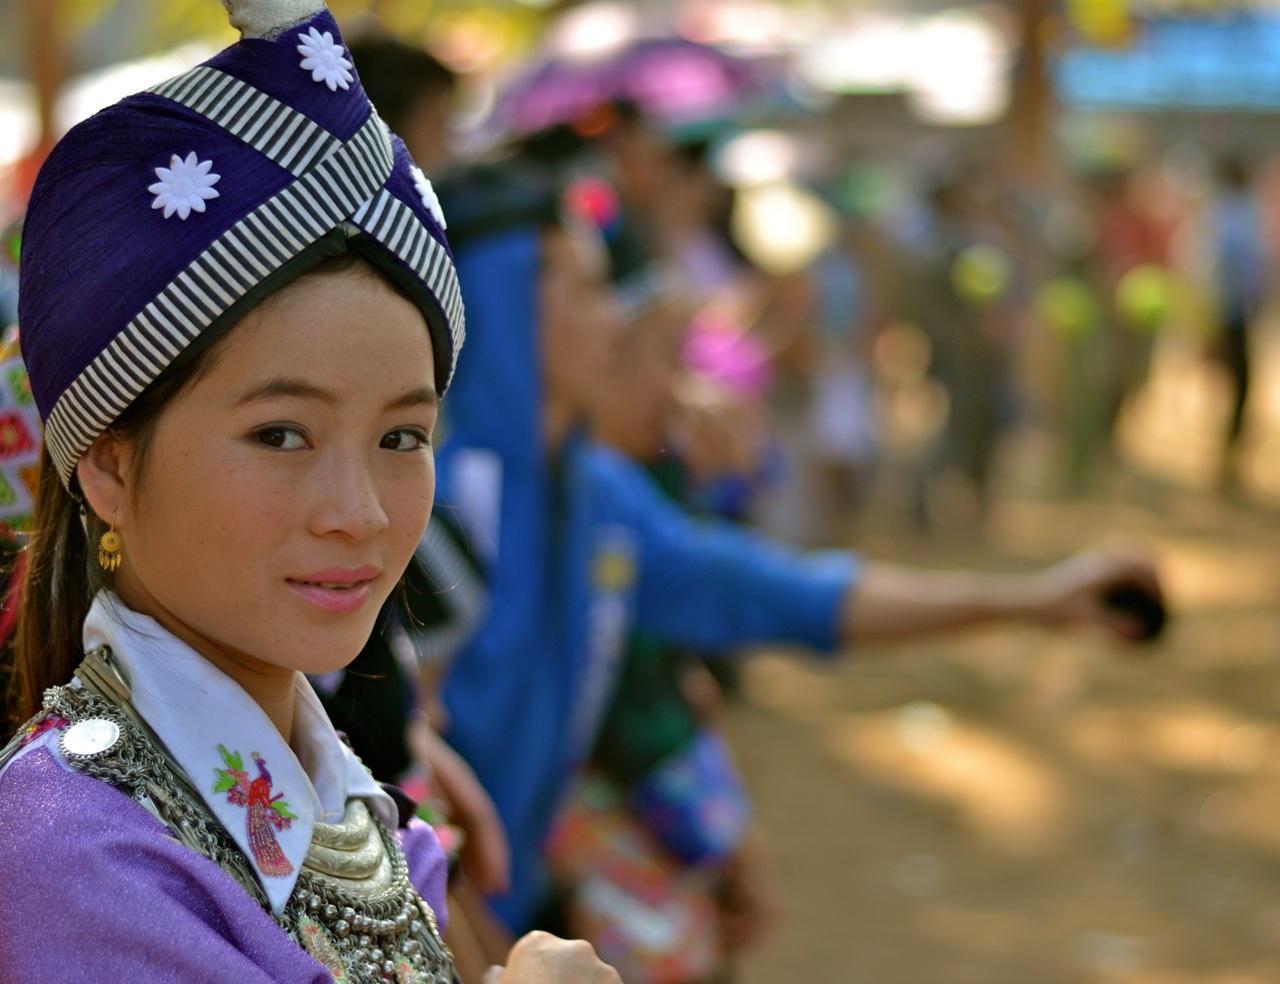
(95, 251)
(428, 866)
(93, 888)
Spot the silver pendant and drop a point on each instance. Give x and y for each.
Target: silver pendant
(89, 738)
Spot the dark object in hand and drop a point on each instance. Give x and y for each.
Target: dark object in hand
(1140, 604)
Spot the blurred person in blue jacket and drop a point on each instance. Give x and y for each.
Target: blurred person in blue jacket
(1241, 274)
(548, 548)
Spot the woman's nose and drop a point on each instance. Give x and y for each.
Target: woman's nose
(347, 498)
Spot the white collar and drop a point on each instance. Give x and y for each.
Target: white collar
(267, 796)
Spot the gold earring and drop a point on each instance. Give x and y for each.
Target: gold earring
(109, 548)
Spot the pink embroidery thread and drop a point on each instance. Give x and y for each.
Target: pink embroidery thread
(267, 813)
(317, 943)
(43, 726)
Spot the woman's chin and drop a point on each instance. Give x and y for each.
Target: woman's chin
(330, 660)
(318, 653)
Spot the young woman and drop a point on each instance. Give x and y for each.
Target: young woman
(238, 315)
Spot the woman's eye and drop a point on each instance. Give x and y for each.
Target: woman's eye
(404, 440)
(281, 438)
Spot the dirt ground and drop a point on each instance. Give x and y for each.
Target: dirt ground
(1012, 806)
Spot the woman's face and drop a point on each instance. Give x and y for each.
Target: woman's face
(579, 319)
(284, 492)
(633, 408)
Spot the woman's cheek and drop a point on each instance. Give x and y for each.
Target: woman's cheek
(409, 506)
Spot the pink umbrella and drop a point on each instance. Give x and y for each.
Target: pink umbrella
(672, 79)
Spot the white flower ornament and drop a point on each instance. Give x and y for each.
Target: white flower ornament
(430, 201)
(323, 58)
(184, 186)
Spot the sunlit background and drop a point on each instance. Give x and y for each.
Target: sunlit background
(1009, 807)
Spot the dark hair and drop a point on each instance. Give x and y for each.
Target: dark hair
(62, 575)
(490, 198)
(396, 75)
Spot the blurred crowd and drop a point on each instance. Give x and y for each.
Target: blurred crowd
(764, 395)
(938, 308)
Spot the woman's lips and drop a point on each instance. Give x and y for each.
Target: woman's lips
(337, 590)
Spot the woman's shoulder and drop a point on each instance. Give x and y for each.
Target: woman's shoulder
(51, 813)
(86, 873)
(616, 481)
(62, 826)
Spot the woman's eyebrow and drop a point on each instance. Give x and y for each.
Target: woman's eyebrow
(422, 396)
(298, 389)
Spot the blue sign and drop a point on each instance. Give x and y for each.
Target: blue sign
(1221, 63)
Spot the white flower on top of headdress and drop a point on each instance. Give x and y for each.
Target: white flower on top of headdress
(184, 186)
(430, 201)
(323, 58)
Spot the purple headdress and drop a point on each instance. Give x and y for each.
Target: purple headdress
(156, 224)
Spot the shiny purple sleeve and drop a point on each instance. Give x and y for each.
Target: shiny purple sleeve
(428, 866)
(93, 888)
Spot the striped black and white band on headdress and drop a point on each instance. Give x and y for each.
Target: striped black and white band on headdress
(267, 164)
(295, 142)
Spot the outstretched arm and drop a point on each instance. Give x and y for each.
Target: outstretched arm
(719, 587)
(888, 603)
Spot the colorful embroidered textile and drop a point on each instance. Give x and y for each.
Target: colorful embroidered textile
(58, 826)
(352, 891)
(60, 822)
(267, 795)
(649, 916)
(695, 802)
(19, 438)
(157, 223)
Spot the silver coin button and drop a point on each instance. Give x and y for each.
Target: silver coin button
(89, 737)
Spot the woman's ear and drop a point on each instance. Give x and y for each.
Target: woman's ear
(101, 473)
